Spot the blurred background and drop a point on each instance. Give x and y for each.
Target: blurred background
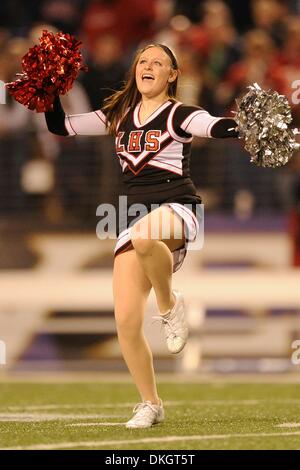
(243, 287)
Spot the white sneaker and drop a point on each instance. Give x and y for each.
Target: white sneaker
(175, 325)
(145, 415)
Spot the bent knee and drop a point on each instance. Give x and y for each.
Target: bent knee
(143, 246)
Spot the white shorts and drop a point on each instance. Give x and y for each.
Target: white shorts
(191, 226)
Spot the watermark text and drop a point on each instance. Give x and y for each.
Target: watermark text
(2, 92)
(161, 224)
(296, 354)
(2, 353)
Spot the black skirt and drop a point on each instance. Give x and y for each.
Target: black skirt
(141, 200)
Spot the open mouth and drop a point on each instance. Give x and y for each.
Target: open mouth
(146, 77)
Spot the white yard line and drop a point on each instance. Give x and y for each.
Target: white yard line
(52, 406)
(288, 425)
(39, 417)
(31, 413)
(131, 404)
(95, 424)
(65, 407)
(147, 440)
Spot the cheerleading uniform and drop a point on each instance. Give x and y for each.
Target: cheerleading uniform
(154, 157)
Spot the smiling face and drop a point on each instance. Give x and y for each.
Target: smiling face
(154, 72)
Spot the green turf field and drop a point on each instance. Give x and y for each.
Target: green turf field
(198, 416)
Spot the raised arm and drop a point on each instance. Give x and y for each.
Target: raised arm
(75, 124)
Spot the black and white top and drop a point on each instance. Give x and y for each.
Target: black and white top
(154, 155)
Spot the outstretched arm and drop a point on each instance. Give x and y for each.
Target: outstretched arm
(223, 128)
(202, 124)
(59, 123)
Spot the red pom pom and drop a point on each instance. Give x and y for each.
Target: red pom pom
(48, 69)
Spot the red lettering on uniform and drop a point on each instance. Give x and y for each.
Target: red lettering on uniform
(152, 141)
(119, 147)
(134, 143)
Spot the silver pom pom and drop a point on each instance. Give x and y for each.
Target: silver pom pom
(263, 118)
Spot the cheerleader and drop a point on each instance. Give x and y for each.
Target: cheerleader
(153, 134)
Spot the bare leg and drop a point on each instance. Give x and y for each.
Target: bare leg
(131, 289)
(155, 254)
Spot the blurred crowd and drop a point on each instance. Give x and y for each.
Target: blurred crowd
(222, 47)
